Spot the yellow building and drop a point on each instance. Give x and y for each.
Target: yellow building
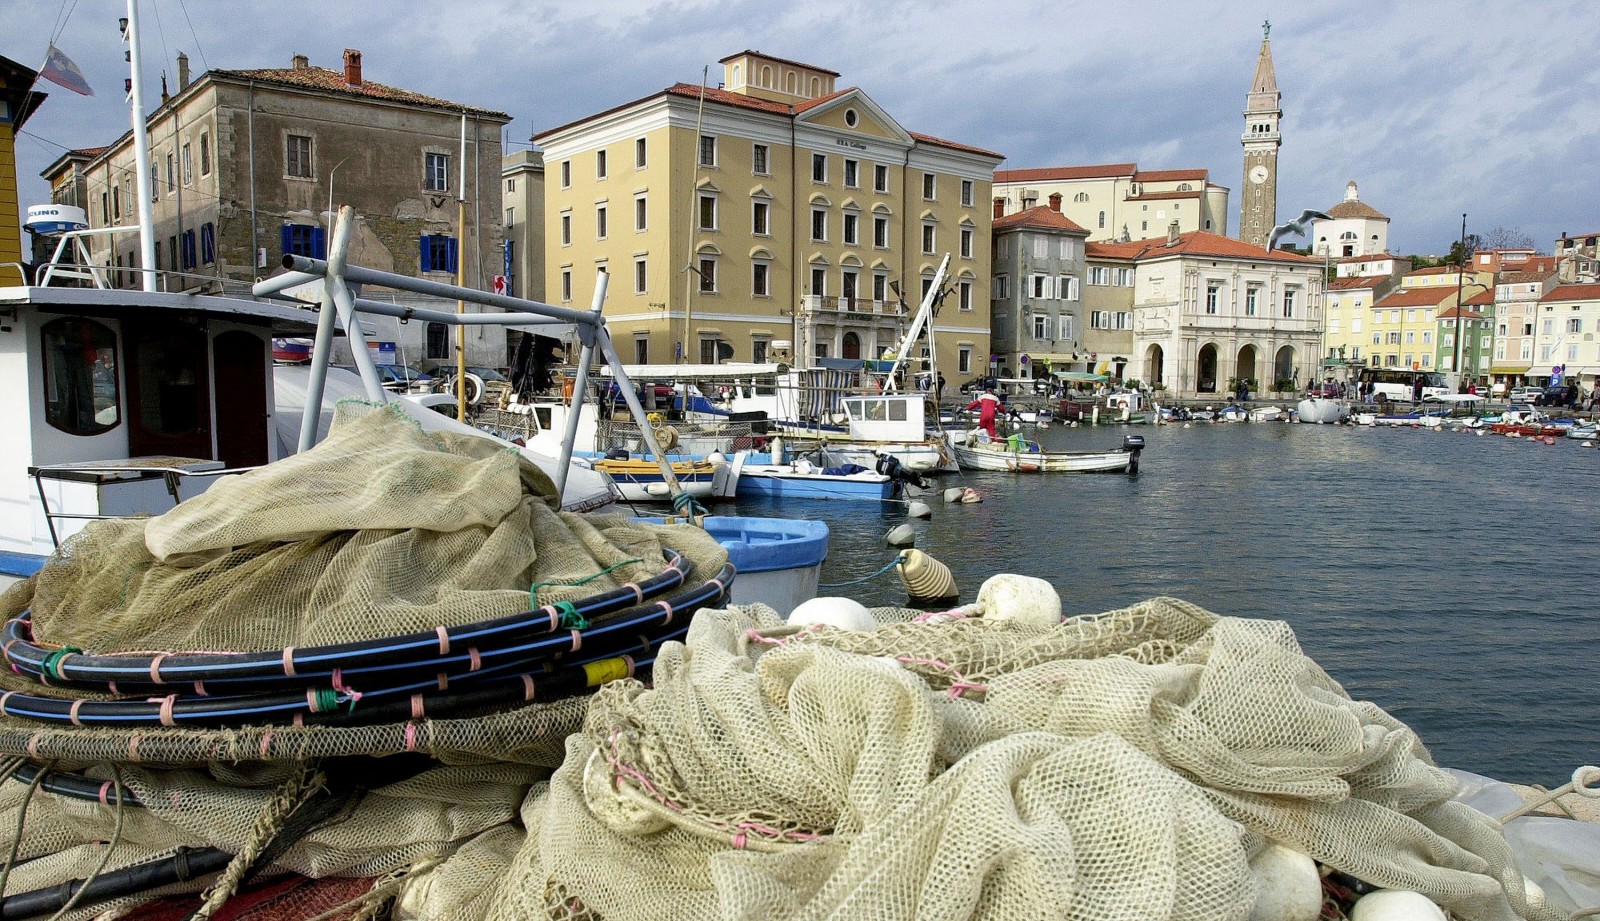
(17, 102)
(1346, 338)
(773, 213)
(1404, 323)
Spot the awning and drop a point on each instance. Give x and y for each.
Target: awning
(1082, 376)
(1055, 356)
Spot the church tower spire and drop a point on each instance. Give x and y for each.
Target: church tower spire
(1258, 209)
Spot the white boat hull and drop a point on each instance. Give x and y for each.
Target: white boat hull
(995, 456)
(1322, 412)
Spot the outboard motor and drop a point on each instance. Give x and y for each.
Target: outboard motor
(890, 466)
(1133, 444)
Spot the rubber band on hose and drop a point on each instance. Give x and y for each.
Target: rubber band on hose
(72, 712)
(667, 608)
(444, 641)
(155, 668)
(527, 687)
(3, 698)
(166, 709)
(288, 661)
(411, 737)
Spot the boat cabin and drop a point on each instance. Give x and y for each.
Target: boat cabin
(896, 417)
(116, 394)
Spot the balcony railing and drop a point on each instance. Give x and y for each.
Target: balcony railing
(827, 303)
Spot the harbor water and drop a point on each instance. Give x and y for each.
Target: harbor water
(1448, 578)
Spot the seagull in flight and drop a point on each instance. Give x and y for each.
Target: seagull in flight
(1298, 227)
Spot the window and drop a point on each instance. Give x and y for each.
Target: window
(708, 211)
(1124, 278)
(851, 180)
(880, 177)
(600, 222)
(1527, 351)
(1427, 336)
(641, 275)
(1213, 296)
(599, 164)
(847, 287)
(188, 250)
(641, 213)
(819, 167)
(964, 359)
(1377, 338)
(303, 240)
(819, 281)
(566, 228)
(966, 193)
(708, 275)
(1099, 275)
(822, 350)
(1064, 326)
(566, 284)
(1081, 198)
(438, 252)
(436, 341)
(1288, 301)
(850, 222)
(1447, 340)
(966, 243)
(640, 153)
(999, 287)
(205, 153)
(1102, 225)
(760, 279)
(1411, 337)
(708, 150)
(511, 218)
(1067, 288)
(188, 167)
(759, 216)
(208, 243)
(436, 172)
(880, 286)
(758, 159)
(1041, 326)
(1066, 247)
(928, 239)
(1039, 285)
(1252, 293)
(1108, 319)
(641, 350)
(758, 350)
(297, 156)
(1574, 325)
(566, 174)
(819, 224)
(155, 184)
(708, 351)
(1572, 352)
(928, 186)
(880, 232)
(172, 175)
(80, 373)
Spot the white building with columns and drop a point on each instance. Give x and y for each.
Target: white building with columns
(1353, 228)
(1209, 310)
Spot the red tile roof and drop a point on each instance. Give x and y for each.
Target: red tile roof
(1375, 257)
(1045, 174)
(1348, 210)
(320, 78)
(778, 60)
(755, 103)
(1434, 270)
(1525, 276)
(1356, 282)
(1416, 297)
(1483, 298)
(1572, 293)
(1196, 243)
(1453, 312)
(1041, 216)
(1170, 175)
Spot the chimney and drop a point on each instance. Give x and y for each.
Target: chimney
(183, 71)
(999, 207)
(301, 62)
(1055, 202)
(352, 67)
(1172, 233)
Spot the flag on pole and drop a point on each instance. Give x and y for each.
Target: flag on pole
(59, 69)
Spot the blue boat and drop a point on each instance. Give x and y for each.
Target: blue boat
(803, 481)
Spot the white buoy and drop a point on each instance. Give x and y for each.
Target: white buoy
(919, 509)
(901, 535)
(1024, 599)
(953, 494)
(717, 457)
(842, 613)
(1395, 905)
(1288, 887)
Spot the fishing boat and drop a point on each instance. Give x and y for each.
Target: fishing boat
(805, 480)
(977, 451)
(642, 480)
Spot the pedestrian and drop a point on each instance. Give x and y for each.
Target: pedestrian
(938, 388)
(988, 406)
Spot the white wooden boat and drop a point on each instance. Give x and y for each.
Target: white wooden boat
(643, 481)
(976, 451)
(1322, 411)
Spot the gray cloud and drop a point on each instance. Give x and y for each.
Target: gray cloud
(1435, 109)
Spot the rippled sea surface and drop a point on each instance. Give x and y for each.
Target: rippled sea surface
(1449, 578)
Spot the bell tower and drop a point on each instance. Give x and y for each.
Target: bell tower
(1258, 208)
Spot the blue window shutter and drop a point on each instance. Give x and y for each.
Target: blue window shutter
(453, 254)
(319, 243)
(427, 254)
(288, 239)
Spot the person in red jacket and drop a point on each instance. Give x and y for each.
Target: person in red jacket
(988, 407)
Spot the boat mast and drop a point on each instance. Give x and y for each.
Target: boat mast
(141, 150)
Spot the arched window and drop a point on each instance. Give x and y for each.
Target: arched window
(1081, 197)
(816, 87)
(737, 73)
(791, 83)
(766, 76)
(1102, 220)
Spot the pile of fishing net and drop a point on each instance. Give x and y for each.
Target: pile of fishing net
(353, 663)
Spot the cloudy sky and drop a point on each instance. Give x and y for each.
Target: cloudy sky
(1434, 108)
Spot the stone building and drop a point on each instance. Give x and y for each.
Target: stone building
(1118, 200)
(1263, 113)
(803, 213)
(247, 163)
(1036, 296)
(523, 172)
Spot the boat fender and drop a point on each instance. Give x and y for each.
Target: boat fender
(717, 457)
(954, 494)
(840, 613)
(775, 448)
(612, 805)
(926, 579)
(1288, 886)
(901, 535)
(1029, 601)
(659, 490)
(970, 496)
(919, 510)
(1395, 905)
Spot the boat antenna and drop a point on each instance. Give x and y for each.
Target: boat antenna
(141, 150)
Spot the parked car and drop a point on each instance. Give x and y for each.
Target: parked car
(1528, 395)
(1327, 390)
(398, 378)
(488, 375)
(1558, 395)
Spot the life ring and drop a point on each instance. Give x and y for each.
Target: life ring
(474, 388)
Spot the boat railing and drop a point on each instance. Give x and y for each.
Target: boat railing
(173, 476)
